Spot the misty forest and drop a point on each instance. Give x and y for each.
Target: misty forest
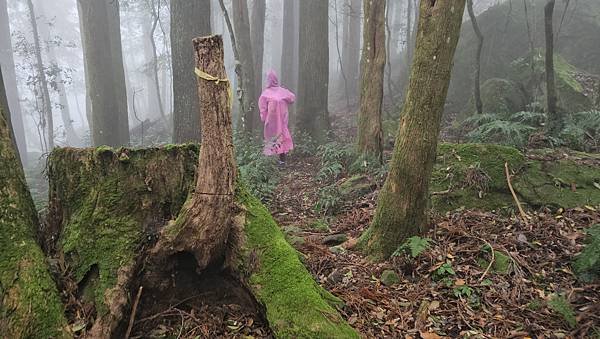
(299, 169)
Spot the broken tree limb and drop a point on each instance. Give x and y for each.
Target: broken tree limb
(514, 195)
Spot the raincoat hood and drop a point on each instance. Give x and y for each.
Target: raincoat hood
(272, 80)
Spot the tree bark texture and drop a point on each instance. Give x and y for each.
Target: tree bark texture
(189, 19)
(205, 223)
(247, 89)
(155, 11)
(42, 81)
(477, 65)
(289, 51)
(30, 305)
(7, 64)
(555, 123)
(257, 30)
(313, 77)
(103, 60)
(351, 45)
(402, 204)
(370, 137)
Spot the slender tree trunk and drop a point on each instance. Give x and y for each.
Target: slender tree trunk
(236, 54)
(351, 46)
(31, 307)
(289, 51)
(156, 82)
(101, 37)
(7, 64)
(477, 66)
(370, 138)
(241, 25)
(402, 204)
(555, 120)
(48, 122)
(189, 19)
(339, 53)
(313, 79)
(257, 30)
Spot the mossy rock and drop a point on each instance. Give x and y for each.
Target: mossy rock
(499, 96)
(356, 186)
(557, 183)
(504, 27)
(570, 92)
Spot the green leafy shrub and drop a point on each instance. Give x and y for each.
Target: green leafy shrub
(260, 172)
(582, 131)
(560, 305)
(414, 246)
(304, 144)
(329, 200)
(334, 160)
(587, 264)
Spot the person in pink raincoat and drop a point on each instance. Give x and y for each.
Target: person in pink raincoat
(273, 104)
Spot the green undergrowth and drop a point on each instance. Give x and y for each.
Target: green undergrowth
(587, 263)
(110, 201)
(296, 306)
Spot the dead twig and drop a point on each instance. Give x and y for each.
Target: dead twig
(514, 195)
(133, 311)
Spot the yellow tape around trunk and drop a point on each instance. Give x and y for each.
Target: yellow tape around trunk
(205, 76)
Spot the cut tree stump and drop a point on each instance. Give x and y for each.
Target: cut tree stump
(121, 222)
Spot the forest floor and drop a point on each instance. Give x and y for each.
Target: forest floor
(458, 285)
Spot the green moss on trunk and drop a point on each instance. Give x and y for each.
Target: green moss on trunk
(29, 303)
(296, 306)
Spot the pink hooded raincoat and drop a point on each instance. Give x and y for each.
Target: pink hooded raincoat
(273, 104)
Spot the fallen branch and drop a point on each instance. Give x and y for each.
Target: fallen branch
(133, 311)
(514, 195)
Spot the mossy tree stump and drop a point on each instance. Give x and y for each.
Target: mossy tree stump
(108, 205)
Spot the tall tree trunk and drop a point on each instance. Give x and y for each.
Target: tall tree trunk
(555, 120)
(351, 46)
(477, 66)
(7, 64)
(257, 30)
(402, 204)
(156, 82)
(370, 138)
(241, 25)
(48, 122)
(31, 307)
(289, 51)
(189, 19)
(313, 78)
(103, 56)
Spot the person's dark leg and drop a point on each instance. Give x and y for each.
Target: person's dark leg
(282, 157)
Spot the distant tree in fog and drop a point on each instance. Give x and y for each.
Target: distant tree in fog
(101, 37)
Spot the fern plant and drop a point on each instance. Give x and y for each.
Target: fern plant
(414, 246)
(513, 130)
(582, 131)
(334, 160)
